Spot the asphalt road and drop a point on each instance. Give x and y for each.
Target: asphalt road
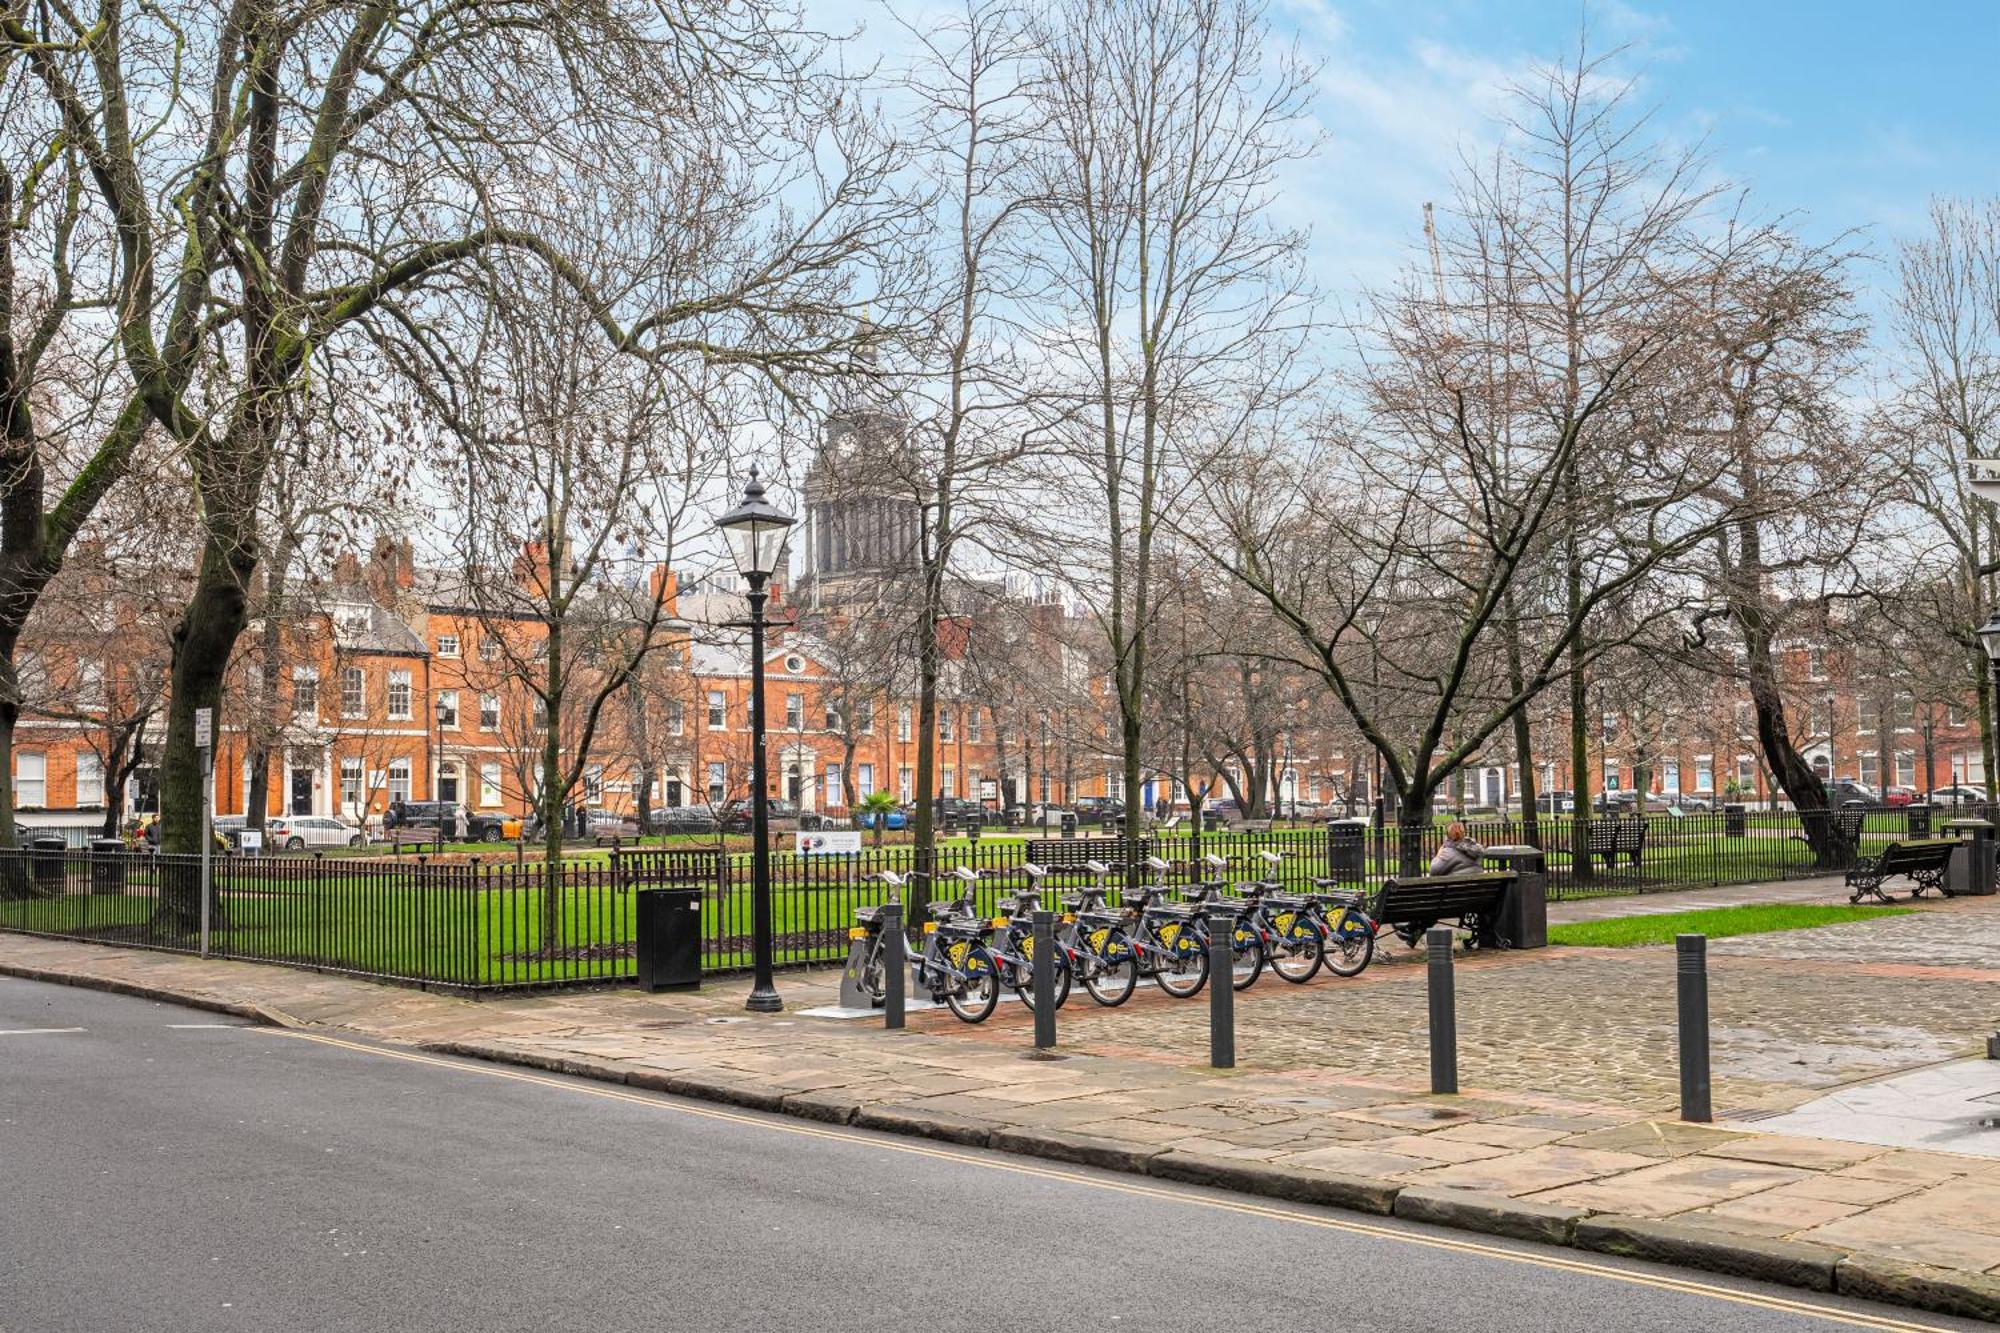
(162, 1169)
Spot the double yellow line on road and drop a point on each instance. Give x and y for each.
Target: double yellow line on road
(1244, 1206)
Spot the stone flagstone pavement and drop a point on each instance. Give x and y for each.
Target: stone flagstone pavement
(1566, 1130)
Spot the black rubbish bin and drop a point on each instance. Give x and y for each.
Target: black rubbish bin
(669, 939)
(1734, 825)
(1918, 816)
(1346, 850)
(107, 866)
(1970, 873)
(1069, 823)
(45, 854)
(1524, 909)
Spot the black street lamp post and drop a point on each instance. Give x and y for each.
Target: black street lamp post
(756, 529)
(1989, 639)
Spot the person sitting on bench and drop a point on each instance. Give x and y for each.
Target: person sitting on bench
(1460, 855)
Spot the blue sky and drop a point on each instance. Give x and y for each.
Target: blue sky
(1850, 114)
(1845, 113)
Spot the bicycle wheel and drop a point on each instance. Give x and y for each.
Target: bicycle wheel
(1183, 975)
(973, 999)
(1248, 956)
(1111, 976)
(1297, 955)
(1024, 983)
(1346, 954)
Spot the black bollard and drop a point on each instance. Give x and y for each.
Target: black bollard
(1045, 980)
(1444, 1012)
(895, 965)
(1691, 982)
(1221, 990)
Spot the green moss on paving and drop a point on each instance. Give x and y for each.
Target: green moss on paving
(1716, 922)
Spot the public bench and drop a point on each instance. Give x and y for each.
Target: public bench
(657, 867)
(1415, 904)
(1923, 863)
(1078, 853)
(1610, 839)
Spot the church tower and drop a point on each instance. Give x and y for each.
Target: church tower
(863, 504)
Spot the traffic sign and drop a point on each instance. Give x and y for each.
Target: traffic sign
(204, 728)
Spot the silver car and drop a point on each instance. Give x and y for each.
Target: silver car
(295, 833)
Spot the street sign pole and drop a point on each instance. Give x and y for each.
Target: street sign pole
(204, 739)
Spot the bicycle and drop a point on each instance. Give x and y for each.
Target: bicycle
(1168, 939)
(1094, 936)
(1247, 936)
(1293, 925)
(1014, 950)
(957, 963)
(874, 973)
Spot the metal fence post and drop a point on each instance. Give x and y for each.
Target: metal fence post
(896, 967)
(1443, 1011)
(1221, 988)
(1045, 979)
(1691, 978)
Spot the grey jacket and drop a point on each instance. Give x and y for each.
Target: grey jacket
(1457, 857)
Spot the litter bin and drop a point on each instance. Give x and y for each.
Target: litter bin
(1918, 816)
(1346, 850)
(669, 939)
(45, 855)
(1734, 825)
(1524, 909)
(107, 866)
(1971, 871)
(1069, 823)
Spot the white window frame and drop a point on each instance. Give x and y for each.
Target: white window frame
(354, 691)
(447, 645)
(489, 784)
(353, 784)
(903, 723)
(489, 712)
(718, 711)
(31, 775)
(398, 781)
(864, 781)
(447, 710)
(676, 717)
(305, 682)
(399, 697)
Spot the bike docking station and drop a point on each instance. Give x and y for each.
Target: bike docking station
(856, 1000)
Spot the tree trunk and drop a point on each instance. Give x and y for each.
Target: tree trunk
(202, 643)
(1414, 817)
(15, 883)
(553, 787)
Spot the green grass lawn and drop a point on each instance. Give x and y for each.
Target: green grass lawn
(1750, 919)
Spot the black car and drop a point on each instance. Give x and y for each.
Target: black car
(1103, 809)
(426, 815)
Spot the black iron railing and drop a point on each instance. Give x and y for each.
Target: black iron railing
(473, 924)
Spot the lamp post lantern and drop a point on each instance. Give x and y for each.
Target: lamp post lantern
(756, 529)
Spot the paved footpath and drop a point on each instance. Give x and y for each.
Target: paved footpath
(1566, 1131)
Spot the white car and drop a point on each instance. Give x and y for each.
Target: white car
(295, 833)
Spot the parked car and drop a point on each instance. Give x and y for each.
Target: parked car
(952, 811)
(1616, 802)
(295, 833)
(1847, 794)
(783, 816)
(684, 819)
(891, 821)
(1690, 802)
(1958, 794)
(1098, 809)
(1898, 796)
(611, 824)
(489, 826)
(1556, 802)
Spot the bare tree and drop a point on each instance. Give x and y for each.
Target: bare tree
(1169, 123)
